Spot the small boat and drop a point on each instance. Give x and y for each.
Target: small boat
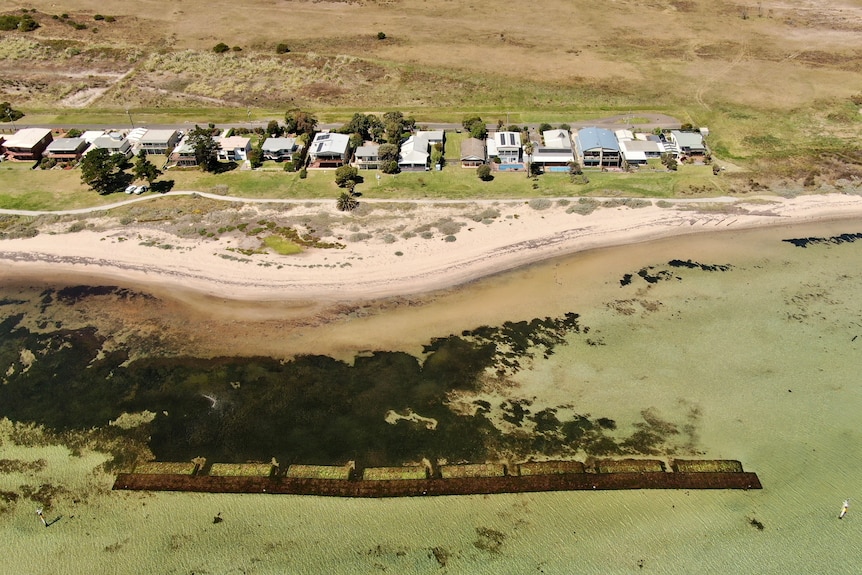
(844, 509)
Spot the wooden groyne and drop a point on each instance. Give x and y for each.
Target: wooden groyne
(452, 484)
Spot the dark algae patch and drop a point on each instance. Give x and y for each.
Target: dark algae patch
(833, 240)
(656, 274)
(312, 409)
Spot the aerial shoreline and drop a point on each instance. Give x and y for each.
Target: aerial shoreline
(371, 268)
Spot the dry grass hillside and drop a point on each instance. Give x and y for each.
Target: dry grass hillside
(736, 66)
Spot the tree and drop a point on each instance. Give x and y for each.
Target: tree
(297, 121)
(476, 127)
(8, 114)
(528, 151)
(376, 129)
(221, 48)
(388, 152)
(390, 167)
(544, 127)
(274, 129)
(205, 148)
(282, 48)
(144, 169)
(484, 173)
(669, 161)
(103, 172)
(346, 202)
(346, 176)
(255, 157)
(575, 168)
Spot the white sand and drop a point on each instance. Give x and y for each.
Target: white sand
(373, 268)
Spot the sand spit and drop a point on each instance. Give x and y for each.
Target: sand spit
(382, 253)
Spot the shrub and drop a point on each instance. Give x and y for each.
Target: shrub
(484, 172)
(381, 36)
(98, 17)
(221, 48)
(110, 19)
(540, 203)
(282, 48)
(303, 173)
(237, 49)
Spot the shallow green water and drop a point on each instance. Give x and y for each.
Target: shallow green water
(759, 363)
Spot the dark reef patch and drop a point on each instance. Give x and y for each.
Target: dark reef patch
(834, 240)
(655, 274)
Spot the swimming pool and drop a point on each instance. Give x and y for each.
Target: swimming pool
(510, 167)
(557, 169)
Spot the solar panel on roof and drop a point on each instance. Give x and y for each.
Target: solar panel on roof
(322, 137)
(319, 147)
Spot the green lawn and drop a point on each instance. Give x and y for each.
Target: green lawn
(24, 189)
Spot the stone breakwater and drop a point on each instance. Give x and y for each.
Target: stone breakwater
(600, 477)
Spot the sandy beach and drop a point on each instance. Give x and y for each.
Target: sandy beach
(378, 258)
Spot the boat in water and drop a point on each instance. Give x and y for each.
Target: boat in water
(844, 509)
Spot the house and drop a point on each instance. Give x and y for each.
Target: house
(183, 155)
(114, 142)
(329, 150)
(637, 152)
(66, 149)
(414, 153)
(279, 149)
(367, 157)
(473, 153)
(158, 141)
(689, 143)
(597, 147)
(434, 137)
(556, 152)
(28, 143)
(233, 149)
(506, 146)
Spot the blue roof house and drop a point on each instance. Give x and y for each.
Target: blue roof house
(598, 147)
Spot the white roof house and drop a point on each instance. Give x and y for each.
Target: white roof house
(560, 139)
(26, 138)
(114, 142)
(414, 153)
(506, 146)
(624, 135)
(279, 148)
(639, 151)
(233, 148)
(158, 141)
(91, 135)
(688, 142)
(329, 148)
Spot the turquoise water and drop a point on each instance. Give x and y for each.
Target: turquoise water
(754, 355)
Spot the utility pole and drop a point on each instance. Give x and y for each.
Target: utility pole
(129, 114)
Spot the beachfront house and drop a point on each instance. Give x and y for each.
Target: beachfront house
(637, 152)
(555, 153)
(114, 142)
(329, 150)
(280, 149)
(66, 149)
(183, 155)
(506, 146)
(597, 147)
(689, 143)
(367, 156)
(158, 141)
(28, 143)
(233, 148)
(473, 153)
(414, 153)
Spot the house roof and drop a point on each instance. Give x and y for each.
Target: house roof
(624, 135)
(472, 148)
(552, 155)
(560, 139)
(91, 135)
(330, 144)
(414, 150)
(66, 145)
(158, 136)
(641, 146)
(691, 140)
(432, 135)
(367, 151)
(26, 137)
(109, 142)
(233, 143)
(507, 140)
(595, 138)
(278, 144)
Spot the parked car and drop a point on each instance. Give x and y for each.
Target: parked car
(141, 189)
(131, 189)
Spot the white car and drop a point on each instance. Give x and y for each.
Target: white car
(131, 189)
(141, 189)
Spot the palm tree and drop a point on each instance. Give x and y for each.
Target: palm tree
(346, 202)
(528, 150)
